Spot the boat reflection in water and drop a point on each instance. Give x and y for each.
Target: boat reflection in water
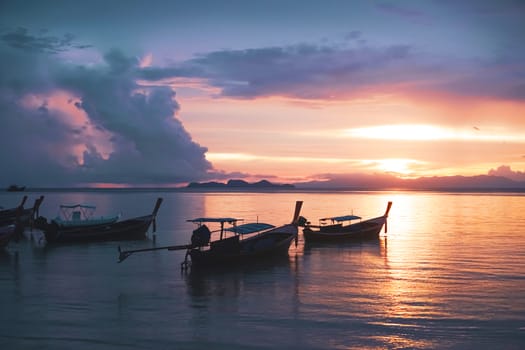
(219, 281)
(449, 274)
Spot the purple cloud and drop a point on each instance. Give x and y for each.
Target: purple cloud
(306, 71)
(320, 72)
(130, 133)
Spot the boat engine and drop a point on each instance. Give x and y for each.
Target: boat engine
(301, 221)
(201, 236)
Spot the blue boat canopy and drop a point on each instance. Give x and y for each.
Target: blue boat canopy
(221, 220)
(342, 218)
(249, 228)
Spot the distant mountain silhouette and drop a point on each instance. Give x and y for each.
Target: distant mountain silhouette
(385, 181)
(239, 184)
(374, 182)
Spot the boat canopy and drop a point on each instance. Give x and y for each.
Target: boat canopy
(221, 220)
(249, 228)
(74, 206)
(77, 212)
(341, 218)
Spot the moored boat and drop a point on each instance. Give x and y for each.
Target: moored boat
(15, 188)
(8, 216)
(264, 242)
(113, 230)
(339, 228)
(20, 216)
(235, 244)
(82, 215)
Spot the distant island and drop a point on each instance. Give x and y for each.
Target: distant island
(389, 182)
(239, 184)
(374, 182)
(331, 182)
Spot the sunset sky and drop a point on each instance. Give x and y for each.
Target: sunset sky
(168, 92)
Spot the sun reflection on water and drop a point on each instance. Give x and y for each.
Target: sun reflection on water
(449, 273)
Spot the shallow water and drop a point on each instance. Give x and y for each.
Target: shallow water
(449, 273)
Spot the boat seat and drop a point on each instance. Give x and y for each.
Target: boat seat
(75, 216)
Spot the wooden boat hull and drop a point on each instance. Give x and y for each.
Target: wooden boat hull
(368, 229)
(87, 223)
(20, 217)
(131, 229)
(11, 216)
(364, 230)
(271, 243)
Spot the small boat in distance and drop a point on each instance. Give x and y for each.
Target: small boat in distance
(340, 228)
(130, 229)
(15, 188)
(82, 215)
(235, 244)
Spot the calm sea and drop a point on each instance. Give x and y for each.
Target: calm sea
(448, 274)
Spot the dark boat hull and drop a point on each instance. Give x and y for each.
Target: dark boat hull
(19, 216)
(232, 251)
(12, 216)
(365, 230)
(131, 229)
(15, 188)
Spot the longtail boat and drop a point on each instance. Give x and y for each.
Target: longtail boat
(236, 243)
(20, 216)
(339, 228)
(112, 230)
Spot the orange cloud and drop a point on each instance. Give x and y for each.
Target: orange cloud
(60, 104)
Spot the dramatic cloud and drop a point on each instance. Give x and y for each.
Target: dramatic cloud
(311, 71)
(305, 71)
(63, 124)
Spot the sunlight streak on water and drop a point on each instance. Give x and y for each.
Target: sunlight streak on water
(450, 273)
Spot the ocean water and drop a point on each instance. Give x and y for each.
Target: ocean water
(448, 274)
